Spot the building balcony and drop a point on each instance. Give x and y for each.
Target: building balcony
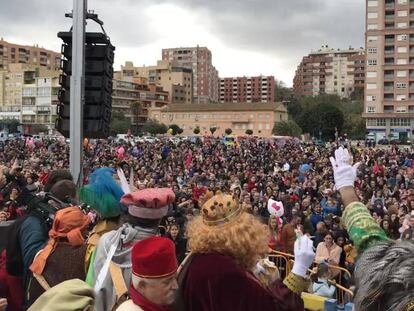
(388, 77)
(389, 41)
(388, 89)
(390, 5)
(389, 17)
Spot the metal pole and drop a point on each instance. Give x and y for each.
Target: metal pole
(77, 90)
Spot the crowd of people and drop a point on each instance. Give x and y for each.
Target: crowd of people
(226, 205)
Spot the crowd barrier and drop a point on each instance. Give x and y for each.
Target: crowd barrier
(284, 262)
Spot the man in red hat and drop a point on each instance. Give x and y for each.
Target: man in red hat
(154, 276)
(112, 265)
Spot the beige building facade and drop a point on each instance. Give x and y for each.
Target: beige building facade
(29, 94)
(176, 80)
(258, 117)
(25, 54)
(389, 86)
(330, 71)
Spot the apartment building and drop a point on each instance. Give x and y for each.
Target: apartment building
(205, 75)
(330, 71)
(389, 85)
(176, 80)
(28, 94)
(25, 54)
(135, 98)
(239, 117)
(247, 89)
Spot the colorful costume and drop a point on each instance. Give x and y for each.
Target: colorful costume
(219, 277)
(103, 195)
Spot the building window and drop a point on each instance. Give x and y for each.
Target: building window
(402, 49)
(372, 50)
(402, 61)
(401, 85)
(372, 62)
(403, 13)
(371, 86)
(402, 73)
(372, 15)
(401, 109)
(401, 97)
(372, 38)
(400, 121)
(370, 109)
(371, 74)
(371, 98)
(372, 3)
(372, 26)
(402, 25)
(380, 122)
(371, 122)
(402, 1)
(402, 37)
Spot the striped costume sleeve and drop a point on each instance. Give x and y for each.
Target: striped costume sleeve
(363, 230)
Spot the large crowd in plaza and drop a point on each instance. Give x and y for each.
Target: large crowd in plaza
(142, 209)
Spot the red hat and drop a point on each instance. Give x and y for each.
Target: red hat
(149, 203)
(154, 258)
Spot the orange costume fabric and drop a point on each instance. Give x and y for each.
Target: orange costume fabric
(68, 224)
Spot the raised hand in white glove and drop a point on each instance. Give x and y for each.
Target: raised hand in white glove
(304, 255)
(344, 172)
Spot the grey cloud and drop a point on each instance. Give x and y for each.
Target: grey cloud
(286, 29)
(44, 19)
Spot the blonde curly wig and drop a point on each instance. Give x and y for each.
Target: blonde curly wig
(245, 239)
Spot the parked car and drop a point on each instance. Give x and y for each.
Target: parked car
(383, 141)
(150, 139)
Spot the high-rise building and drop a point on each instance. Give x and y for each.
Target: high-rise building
(330, 71)
(28, 94)
(25, 54)
(176, 80)
(205, 75)
(389, 85)
(247, 89)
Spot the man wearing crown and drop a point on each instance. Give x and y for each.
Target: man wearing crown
(226, 244)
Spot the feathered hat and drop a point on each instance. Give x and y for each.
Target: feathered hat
(102, 193)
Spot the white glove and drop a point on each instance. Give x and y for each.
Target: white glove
(304, 255)
(344, 172)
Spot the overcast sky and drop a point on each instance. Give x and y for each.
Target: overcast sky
(246, 37)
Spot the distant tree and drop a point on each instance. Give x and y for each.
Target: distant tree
(322, 118)
(10, 124)
(119, 124)
(175, 128)
(154, 127)
(213, 129)
(282, 93)
(196, 130)
(249, 132)
(287, 128)
(228, 131)
(38, 128)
